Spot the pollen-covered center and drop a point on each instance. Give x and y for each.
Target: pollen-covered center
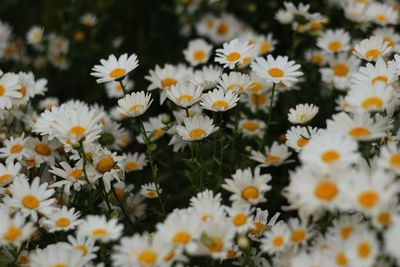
(301, 142)
(199, 55)
(250, 192)
(43, 149)
(335, 46)
(233, 56)
(181, 238)
(372, 102)
(197, 133)
(380, 78)
(12, 234)
(99, 232)
(168, 82)
(250, 126)
(278, 241)
(276, 73)
(185, 98)
(394, 161)
(340, 69)
(372, 54)
(359, 132)
(239, 219)
(16, 148)
(2, 90)
(30, 202)
(105, 164)
(117, 72)
(63, 222)
(131, 166)
(220, 105)
(136, 107)
(326, 191)
(147, 257)
(78, 131)
(330, 156)
(368, 199)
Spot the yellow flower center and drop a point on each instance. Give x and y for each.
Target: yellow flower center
(255, 87)
(5, 178)
(359, 132)
(76, 174)
(185, 98)
(250, 192)
(63, 222)
(278, 241)
(30, 202)
(381, 78)
(83, 249)
(317, 58)
(60, 265)
(2, 90)
(220, 105)
(258, 228)
(197, 133)
(105, 164)
(273, 159)
(131, 166)
(384, 218)
(341, 259)
(181, 238)
(168, 82)
(340, 69)
(117, 72)
(368, 199)
(326, 191)
(298, 236)
(22, 90)
(137, 107)
(151, 194)
(372, 102)
(23, 260)
(389, 41)
(381, 18)
(301, 142)
(43, 149)
(372, 54)
(216, 244)
(99, 232)
(364, 250)
(158, 132)
(222, 29)
(170, 255)
(250, 126)
(147, 257)
(12, 234)
(394, 161)
(239, 219)
(265, 47)
(16, 148)
(330, 156)
(77, 130)
(346, 231)
(335, 46)
(199, 55)
(234, 56)
(276, 73)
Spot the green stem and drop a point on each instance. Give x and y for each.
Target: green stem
(121, 204)
(123, 87)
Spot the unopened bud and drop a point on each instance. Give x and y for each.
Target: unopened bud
(165, 119)
(243, 242)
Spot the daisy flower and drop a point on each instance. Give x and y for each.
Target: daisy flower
(134, 104)
(134, 162)
(234, 81)
(299, 231)
(382, 14)
(112, 69)
(85, 245)
(240, 216)
(180, 228)
(391, 238)
(197, 52)
(275, 155)
(334, 41)
(150, 190)
(277, 239)
(58, 254)
(9, 85)
(72, 176)
(35, 35)
(154, 127)
(363, 248)
(8, 172)
(216, 240)
(61, 220)
(369, 98)
(258, 85)
(279, 70)
(219, 101)
(248, 187)
(265, 44)
(169, 75)
(251, 127)
(100, 229)
(14, 230)
(207, 206)
(261, 223)
(390, 36)
(297, 137)
(88, 19)
(370, 74)
(208, 76)
(340, 70)
(346, 226)
(259, 101)
(389, 157)
(372, 49)
(140, 250)
(328, 150)
(185, 94)
(302, 113)
(42, 150)
(360, 126)
(196, 128)
(30, 199)
(317, 57)
(233, 53)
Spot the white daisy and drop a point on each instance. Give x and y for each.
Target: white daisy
(275, 155)
(135, 104)
(150, 190)
(100, 229)
(134, 162)
(114, 69)
(302, 113)
(185, 94)
(234, 81)
(334, 41)
(219, 101)
(196, 128)
(197, 52)
(233, 53)
(372, 49)
(9, 85)
(297, 137)
(61, 219)
(14, 230)
(58, 254)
